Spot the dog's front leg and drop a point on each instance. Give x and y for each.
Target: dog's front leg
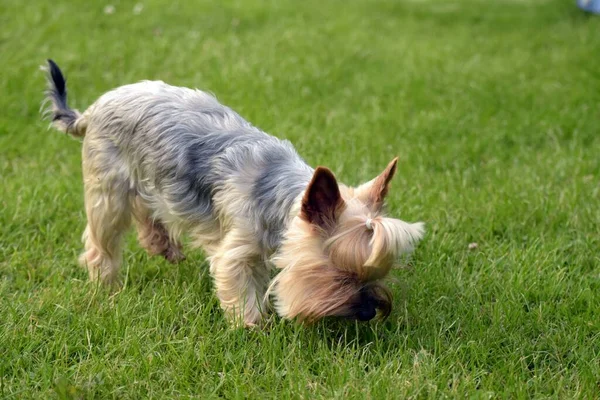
(240, 278)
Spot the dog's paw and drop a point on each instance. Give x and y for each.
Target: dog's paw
(173, 254)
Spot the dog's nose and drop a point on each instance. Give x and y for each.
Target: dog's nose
(365, 313)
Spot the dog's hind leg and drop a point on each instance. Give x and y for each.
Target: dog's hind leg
(153, 236)
(107, 206)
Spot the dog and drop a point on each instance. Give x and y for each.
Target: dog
(174, 160)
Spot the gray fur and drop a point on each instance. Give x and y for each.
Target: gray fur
(184, 148)
(177, 160)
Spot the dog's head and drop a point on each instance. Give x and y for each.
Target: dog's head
(338, 249)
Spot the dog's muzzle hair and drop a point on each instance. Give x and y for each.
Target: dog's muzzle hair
(175, 161)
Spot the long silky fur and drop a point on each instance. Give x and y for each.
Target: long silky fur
(175, 160)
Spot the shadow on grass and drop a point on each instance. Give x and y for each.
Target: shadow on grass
(145, 274)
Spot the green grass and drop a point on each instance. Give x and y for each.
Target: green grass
(494, 110)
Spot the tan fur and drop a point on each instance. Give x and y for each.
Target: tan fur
(331, 244)
(323, 268)
(324, 264)
(240, 279)
(309, 287)
(373, 193)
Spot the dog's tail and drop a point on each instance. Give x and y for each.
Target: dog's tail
(63, 118)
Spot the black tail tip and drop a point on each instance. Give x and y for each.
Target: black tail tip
(57, 77)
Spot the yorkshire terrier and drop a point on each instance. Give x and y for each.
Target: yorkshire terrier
(176, 160)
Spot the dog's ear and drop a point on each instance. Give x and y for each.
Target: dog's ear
(373, 192)
(322, 199)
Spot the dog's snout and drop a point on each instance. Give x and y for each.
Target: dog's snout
(366, 313)
(367, 306)
(370, 301)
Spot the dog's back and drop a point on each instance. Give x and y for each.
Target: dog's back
(190, 159)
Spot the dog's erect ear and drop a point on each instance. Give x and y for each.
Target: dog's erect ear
(322, 199)
(373, 192)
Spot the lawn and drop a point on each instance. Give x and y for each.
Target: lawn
(494, 110)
